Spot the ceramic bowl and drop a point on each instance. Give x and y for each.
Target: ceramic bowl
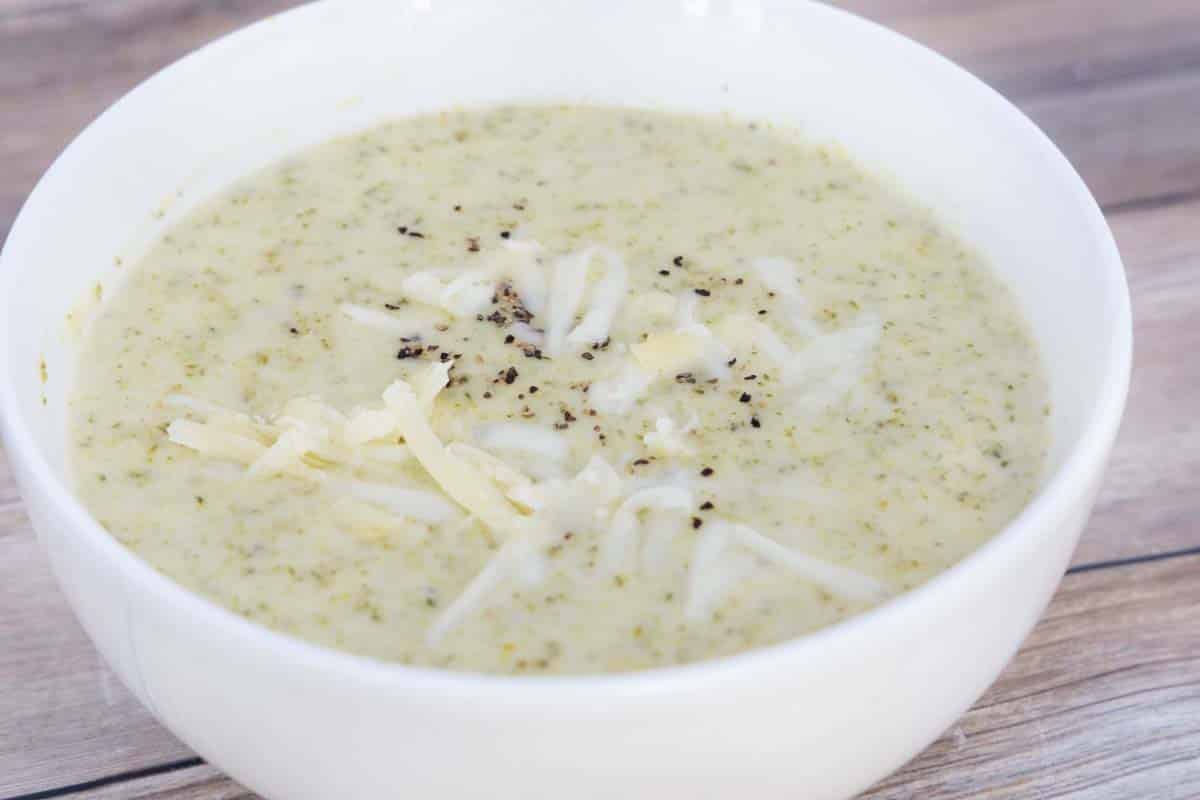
(817, 718)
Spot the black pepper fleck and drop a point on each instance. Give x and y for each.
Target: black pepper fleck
(696, 522)
(677, 261)
(754, 423)
(707, 471)
(510, 375)
(703, 292)
(587, 355)
(706, 505)
(745, 398)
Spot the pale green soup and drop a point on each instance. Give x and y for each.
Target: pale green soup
(557, 390)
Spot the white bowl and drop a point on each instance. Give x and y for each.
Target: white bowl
(820, 717)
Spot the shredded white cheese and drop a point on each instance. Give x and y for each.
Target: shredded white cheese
(414, 504)
(842, 581)
(781, 277)
(621, 540)
(213, 441)
(619, 393)
(668, 439)
(457, 478)
(607, 295)
(824, 369)
(379, 320)
(504, 475)
(523, 437)
(713, 571)
(716, 568)
(460, 292)
(568, 284)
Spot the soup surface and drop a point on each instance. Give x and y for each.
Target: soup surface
(557, 390)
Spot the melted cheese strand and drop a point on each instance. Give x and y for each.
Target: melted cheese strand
(523, 437)
(714, 571)
(842, 581)
(566, 293)
(526, 274)
(408, 503)
(661, 530)
(619, 393)
(623, 530)
(381, 321)
(465, 293)
(607, 297)
(475, 595)
(780, 276)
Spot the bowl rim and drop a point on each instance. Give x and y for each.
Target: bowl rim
(1060, 490)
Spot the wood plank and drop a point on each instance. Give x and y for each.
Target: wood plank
(1102, 703)
(64, 717)
(1119, 95)
(62, 63)
(1028, 49)
(1149, 502)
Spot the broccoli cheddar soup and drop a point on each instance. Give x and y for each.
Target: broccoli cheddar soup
(557, 390)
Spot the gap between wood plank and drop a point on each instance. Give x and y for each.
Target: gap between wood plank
(110, 780)
(1151, 202)
(1131, 560)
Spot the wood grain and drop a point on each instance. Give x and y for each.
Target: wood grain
(64, 716)
(1150, 502)
(1103, 702)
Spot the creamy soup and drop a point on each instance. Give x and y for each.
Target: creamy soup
(557, 390)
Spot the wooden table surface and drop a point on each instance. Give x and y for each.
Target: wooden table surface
(1102, 702)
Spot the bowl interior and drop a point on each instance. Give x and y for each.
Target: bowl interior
(332, 68)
